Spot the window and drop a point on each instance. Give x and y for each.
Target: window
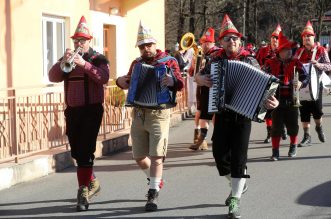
(53, 42)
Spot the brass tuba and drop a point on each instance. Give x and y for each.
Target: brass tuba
(188, 41)
(68, 65)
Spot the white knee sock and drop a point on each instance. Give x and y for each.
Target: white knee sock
(228, 177)
(155, 183)
(237, 186)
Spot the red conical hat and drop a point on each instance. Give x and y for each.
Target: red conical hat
(284, 43)
(82, 31)
(308, 30)
(276, 31)
(228, 27)
(208, 36)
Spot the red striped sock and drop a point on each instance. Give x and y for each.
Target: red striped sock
(84, 175)
(275, 141)
(294, 139)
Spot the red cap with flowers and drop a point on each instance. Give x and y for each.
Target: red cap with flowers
(308, 30)
(276, 31)
(228, 27)
(82, 31)
(208, 36)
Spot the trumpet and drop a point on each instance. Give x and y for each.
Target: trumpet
(296, 93)
(68, 65)
(186, 42)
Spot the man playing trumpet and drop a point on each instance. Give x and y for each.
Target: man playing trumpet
(283, 66)
(84, 95)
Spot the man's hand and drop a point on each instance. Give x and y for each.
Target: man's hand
(79, 60)
(123, 82)
(297, 85)
(203, 80)
(271, 102)
(167, 80)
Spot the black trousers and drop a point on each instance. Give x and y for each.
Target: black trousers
(314, 108)
(230, 143)
(285, 115)
(202, 97)
(83, 124)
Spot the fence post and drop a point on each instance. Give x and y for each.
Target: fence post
(12, 123)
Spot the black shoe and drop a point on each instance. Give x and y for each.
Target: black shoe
(320, 133)
(82, 199)
(228, 199)
(275, 155)
(292, 152)
(268, 138)
(306, 140)
(151, 204)
(234, 208)
(284, 136)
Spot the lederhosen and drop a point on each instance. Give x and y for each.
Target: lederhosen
(83, 122)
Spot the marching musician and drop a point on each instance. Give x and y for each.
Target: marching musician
(322, 63)
(84, 96)
(283, 66)
(230, 153)
(202, 117)
(263, 54)
(150, 127)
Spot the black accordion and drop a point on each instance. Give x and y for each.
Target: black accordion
(240, 87)
(146, 90)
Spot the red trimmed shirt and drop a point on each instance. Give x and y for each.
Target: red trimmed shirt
(322, 57)
(74, 88)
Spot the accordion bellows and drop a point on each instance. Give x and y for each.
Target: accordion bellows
(240, 87)
(146, 89)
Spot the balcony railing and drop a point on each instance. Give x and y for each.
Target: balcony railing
(32, 118)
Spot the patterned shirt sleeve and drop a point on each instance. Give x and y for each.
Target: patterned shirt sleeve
(324, 62)
(172, 63)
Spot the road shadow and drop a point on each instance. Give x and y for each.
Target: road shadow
(284, 158)
(317, 196)
(175, 151)
(94, 212)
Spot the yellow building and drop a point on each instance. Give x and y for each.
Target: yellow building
(35, 33)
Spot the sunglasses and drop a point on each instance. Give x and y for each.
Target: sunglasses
(228, 38)
(82, 41)
(275, 37)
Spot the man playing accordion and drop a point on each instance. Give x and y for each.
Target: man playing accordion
(230, 153)
(150, 127)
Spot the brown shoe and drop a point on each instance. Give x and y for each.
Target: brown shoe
(94, 188)
(194, 147)
(196, 135)
(200, 145)
(203, 146)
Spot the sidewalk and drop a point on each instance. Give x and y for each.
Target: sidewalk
(58, 159)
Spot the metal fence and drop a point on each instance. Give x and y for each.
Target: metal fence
(32, 118)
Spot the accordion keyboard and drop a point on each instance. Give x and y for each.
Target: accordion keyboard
(214, 90)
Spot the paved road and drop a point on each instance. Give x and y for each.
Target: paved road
(289, 188)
